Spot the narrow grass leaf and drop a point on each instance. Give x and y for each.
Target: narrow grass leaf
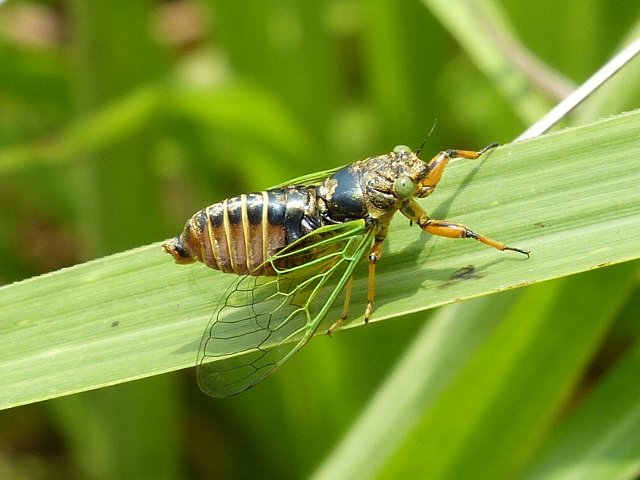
(570, 197)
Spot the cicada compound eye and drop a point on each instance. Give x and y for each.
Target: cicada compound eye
(401, 149)
(404, 187)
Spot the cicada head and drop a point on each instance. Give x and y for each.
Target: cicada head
(409, 172)
(393, 179)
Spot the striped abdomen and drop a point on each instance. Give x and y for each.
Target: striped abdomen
(238, 234)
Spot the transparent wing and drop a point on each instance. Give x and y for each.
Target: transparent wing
(310, 179)
(262, 321)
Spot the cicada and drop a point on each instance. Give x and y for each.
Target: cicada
(294, 248)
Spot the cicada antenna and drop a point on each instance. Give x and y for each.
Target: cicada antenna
(424, 142)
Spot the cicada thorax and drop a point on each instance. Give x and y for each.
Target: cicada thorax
(241, 234)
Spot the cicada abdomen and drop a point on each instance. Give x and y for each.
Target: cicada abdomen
(239, 234)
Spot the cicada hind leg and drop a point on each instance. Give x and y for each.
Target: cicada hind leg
(345, 309)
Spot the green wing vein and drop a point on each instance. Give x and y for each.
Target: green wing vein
(263, 320)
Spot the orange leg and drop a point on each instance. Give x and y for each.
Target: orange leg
(456, 230)
(374, 256)
(414, 212)
(345, 309)
(438, 163)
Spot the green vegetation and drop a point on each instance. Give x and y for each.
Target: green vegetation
(110, 138)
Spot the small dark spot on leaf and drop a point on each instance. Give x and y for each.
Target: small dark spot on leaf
(465, 273)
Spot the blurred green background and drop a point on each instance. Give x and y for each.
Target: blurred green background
(120, 119)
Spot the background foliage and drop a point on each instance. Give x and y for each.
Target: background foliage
(252, 94)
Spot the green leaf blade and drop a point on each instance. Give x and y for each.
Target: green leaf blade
(569, 197)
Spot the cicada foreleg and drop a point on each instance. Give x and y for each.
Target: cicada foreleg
(443, 228)
(438, 164)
